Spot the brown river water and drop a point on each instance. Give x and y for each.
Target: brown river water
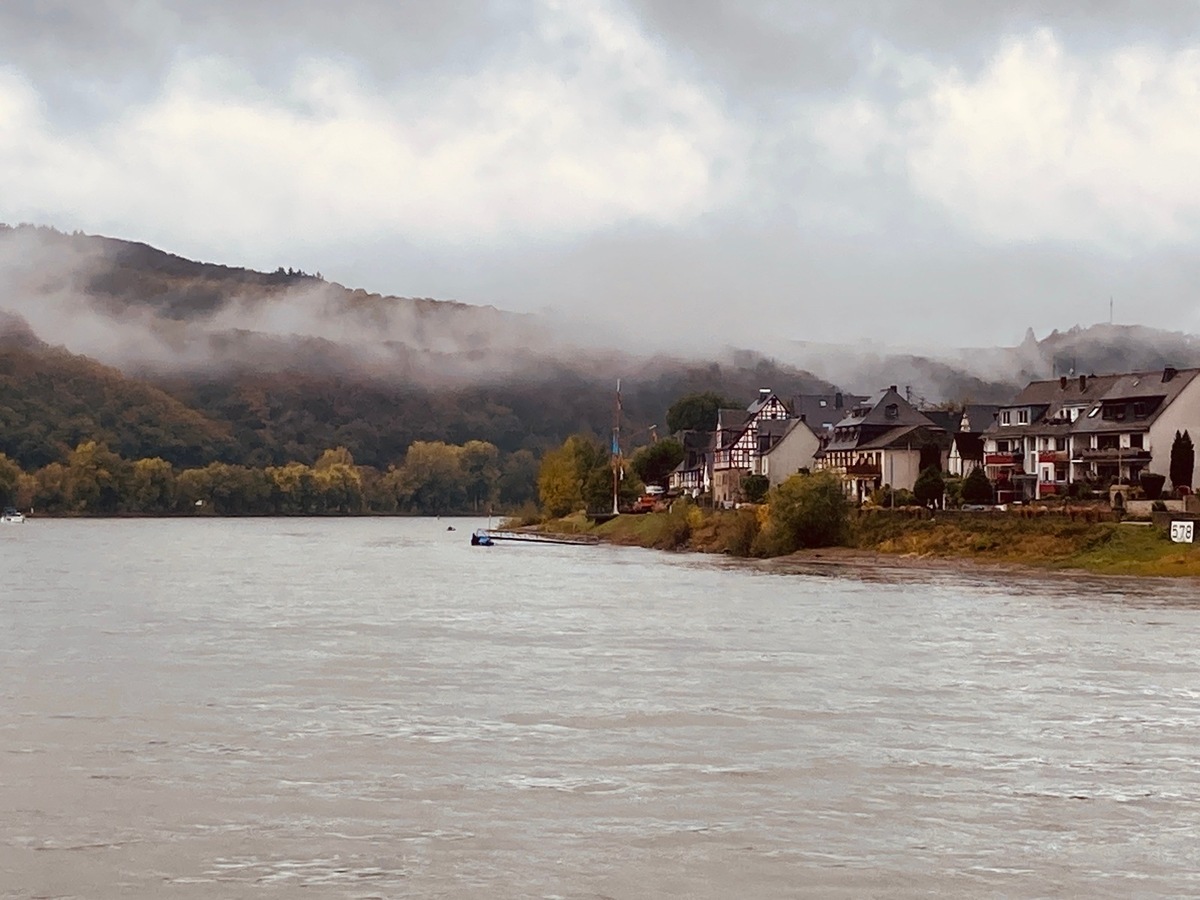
(373, 708)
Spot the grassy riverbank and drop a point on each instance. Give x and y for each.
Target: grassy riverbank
(1050, 541)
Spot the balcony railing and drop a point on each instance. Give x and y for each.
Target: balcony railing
(1114, 454)
(1052, 456)
(1002, 459)
(864, 470)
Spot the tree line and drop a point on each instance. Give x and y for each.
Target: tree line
(435, 478)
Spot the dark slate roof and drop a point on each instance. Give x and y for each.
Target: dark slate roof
(1145, 387)
(947, 419)
(732, 419)
(1048, 399)
(823, 410)
(873, 411)
(969, 444)
(979, 416)
(908, 436)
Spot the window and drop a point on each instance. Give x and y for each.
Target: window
(1022, 417)
(1136, 441)
(892, 411)
(1139, 410)
(1005, 418)
(824, 403)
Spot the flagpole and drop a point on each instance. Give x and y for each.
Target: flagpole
(616, 450)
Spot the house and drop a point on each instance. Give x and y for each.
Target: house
(882, 440)
(693, 475)
(1130, 428)
(1091, 428)
(796, 449)
(966, 453)
(741, 439)
(1027, 447)
(966, 447)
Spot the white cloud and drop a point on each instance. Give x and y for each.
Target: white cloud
(587, 128)
(1043, 144)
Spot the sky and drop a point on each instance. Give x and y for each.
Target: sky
(897, 173)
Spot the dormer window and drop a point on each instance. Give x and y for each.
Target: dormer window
(1022, 417)
(1139, 410)
(1006, 418)
(891, 411)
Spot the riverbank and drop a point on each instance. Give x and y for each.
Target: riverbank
(1054, 542)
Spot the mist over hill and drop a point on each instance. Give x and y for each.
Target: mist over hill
(156, 354)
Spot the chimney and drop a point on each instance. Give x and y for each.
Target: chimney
(1168, 373)
(838, 400)
(764, 393)
(892, 388)
(1082, 383)
(803, 417)
(1062, 382)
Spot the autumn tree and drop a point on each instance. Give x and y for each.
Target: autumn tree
(10, 476)
(433, 479)
(151, 486)
(96, 477)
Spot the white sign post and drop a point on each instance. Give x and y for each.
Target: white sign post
(1182, 532)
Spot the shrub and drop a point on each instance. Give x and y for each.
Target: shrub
(805, 511)
(976, 488)
(929, 487)
(1152, 483)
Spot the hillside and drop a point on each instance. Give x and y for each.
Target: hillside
(51, 400)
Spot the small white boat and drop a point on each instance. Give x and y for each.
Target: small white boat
(11, 516)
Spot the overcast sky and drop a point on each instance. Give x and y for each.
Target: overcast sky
(852, 170)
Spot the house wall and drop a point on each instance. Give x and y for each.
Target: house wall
(727, 485)
(901, 468)
(1181, 415)
(790, 455)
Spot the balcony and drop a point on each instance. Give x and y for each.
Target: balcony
(864, 470)
(1115, 454)
(1052, 456)
(1003, 459)
(1051, 488)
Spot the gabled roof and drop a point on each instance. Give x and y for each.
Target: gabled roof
(969, 444)
(732, 419)
(792, 425)
(764, 397)
(943, 418)
(823, 410)
(875, 410)
(1064, 390)
(912, 437)
(1148, 388)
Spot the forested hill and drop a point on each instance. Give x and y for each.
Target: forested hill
(156, 355)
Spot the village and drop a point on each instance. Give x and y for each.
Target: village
(1124, 438)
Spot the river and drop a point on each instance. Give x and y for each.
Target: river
(371, 708)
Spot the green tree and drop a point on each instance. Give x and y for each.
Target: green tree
(697, 412)
(517, 484)
(337, 482)
(929, 487)
(655, 462)
(755, 487)
(806, 511)
(293, 489)
(1183, 460)
(481, 466)
(52, 488)
(976, 488)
